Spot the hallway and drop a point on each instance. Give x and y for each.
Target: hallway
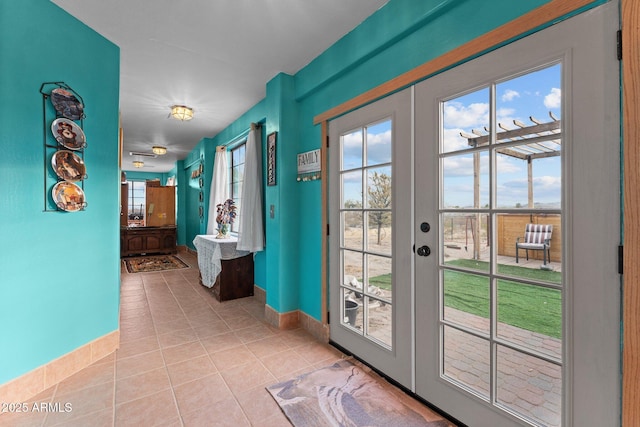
(184, 360)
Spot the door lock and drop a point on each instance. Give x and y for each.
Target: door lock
(424, 251)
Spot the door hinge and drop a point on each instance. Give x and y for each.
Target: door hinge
(327, 141)
(619, 44)
(620, 259)
(327, 229)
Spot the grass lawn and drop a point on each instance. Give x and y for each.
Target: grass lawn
(533, 308)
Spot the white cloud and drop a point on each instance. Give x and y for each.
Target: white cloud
(457, 115)
(553, 99)
(379, 147)
(509, 95)
(452, 141)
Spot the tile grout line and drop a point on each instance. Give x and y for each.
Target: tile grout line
(164, 361)
(209, 354)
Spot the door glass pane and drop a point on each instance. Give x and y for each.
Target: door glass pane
(379, 320)
(379, 143)
(528, 184)
(379, 277)
(351, 311)
(379, 188)
(501, 265)
(466, 181)
(530, 316)
(534, 255)
(529, 386)
(464, 118)
(467, 300)
(466, 240)
(351, 157)
(379, 236)
(352, 189)
(352, 230)
(467, 360)
(352, 268)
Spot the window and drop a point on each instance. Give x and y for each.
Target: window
(237, 181)
(136, 202)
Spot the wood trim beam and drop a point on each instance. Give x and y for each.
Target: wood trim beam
(528, 22)
(325, 221)
(631, 154)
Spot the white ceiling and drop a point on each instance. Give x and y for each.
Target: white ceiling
(213, 55)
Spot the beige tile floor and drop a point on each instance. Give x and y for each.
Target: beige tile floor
(184, 360)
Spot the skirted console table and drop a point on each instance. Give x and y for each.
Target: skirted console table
(223, 268)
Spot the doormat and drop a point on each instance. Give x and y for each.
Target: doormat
(346, 394)
(146, 264)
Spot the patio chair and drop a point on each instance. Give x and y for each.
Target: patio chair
(537, 237)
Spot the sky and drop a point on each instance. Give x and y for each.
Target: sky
(536, 94)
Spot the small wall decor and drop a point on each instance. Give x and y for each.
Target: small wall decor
(309, 166)
(63, 148)
(271, 158)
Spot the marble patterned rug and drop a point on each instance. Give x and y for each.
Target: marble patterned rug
(348, 394)
(145, 264)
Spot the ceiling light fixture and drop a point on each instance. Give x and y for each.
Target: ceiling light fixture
(157, 149)
(138, 163)
(182, 112)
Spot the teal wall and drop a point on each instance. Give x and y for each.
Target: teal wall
(59, 271)
(143, 176)
(205, 152)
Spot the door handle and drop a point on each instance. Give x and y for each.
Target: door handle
(424, 251)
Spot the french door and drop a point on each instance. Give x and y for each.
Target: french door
(445, 286)
(370, 256)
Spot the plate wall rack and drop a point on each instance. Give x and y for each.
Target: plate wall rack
(64, 168)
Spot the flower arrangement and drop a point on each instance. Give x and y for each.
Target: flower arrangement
(226, 216)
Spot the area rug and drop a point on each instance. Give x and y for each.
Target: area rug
(349, 395)
(145, 264)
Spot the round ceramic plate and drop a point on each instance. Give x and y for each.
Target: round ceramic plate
(67, 104)
(68, 196)
(68, 165)
(68, 134)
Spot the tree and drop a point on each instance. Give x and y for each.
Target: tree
(379, 192)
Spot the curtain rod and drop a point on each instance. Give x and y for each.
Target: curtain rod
(244, 133)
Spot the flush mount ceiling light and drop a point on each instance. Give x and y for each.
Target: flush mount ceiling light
(138, 163)
(182, 112)
(157, 149)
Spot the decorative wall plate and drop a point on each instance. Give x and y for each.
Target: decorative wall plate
(68, 134)
(67, 104)
(68, 165)
(68, 196)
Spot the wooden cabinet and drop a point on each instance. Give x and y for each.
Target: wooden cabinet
(124, 204)
(235, 280)
(160, 205)
(147, 240)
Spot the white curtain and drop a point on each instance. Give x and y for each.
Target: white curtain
(250, 230)
(219, 188)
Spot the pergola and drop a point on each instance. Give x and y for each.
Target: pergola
(525, 142)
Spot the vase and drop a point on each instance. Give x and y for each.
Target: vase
(223, 231)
